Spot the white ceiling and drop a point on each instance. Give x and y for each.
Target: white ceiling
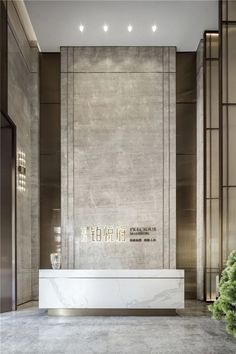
(180, 23)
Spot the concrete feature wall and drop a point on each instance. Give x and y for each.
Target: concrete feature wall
(23, 109)
(118, 154)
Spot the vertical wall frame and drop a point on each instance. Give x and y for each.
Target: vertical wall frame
(186, 107)
(220, 145)
(50, 141)
(7, 178)
(212, 194)
(228, 126)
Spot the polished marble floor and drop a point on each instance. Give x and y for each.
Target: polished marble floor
(30, 330)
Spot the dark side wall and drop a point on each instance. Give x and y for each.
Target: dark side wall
(50, 172)
(186, 168)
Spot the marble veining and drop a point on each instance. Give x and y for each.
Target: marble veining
(107, 289)
(112, 273)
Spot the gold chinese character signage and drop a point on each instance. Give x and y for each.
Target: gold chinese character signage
(118, 234)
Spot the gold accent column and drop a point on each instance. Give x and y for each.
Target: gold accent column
(228, 126)
(212, 164)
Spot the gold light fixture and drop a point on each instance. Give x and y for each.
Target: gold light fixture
(21, 170)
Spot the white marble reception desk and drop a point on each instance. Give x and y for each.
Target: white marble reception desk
(111, 289)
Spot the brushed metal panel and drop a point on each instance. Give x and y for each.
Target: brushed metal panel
(212, 166)
(50, 155)
(111, 312)
(229, 212)
(186, 128)
(185, 77)
(231, 12)
(50, 78)
(3, 58)
(7, 235)
(186, 169)
(50, 128)
(49, 204)
(186, 220)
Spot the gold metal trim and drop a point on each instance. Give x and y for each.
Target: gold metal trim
(111, 312)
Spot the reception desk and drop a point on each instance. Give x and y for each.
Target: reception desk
(111, 289)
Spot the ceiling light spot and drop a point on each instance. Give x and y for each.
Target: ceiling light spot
(81, 28)
(154, 28)
(130, 28)
(105, 28)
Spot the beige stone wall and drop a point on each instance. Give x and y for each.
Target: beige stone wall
(23, 109)
(118, 153)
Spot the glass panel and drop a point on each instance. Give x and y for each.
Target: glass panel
(186, 220)
(212, 246)
(232, 220)
(215, 234)
(208, 233)
(224, 64)
(208, 164)
(212, 164)
(212, 233)
(225, 226)
(214, 94)
(214, 45)
(214, 283)
(208, 45)
(231, 10)
(232, 145)
(208, 94)
(215, 164)
(231, 63)
(224, 10)
(208, 286)
(186, 128)
(225, 147)
(212, 277)
(229, 221)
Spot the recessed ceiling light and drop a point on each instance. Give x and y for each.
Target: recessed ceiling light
(105, 28)
(130, 28)
(154, 28)
(81, 28)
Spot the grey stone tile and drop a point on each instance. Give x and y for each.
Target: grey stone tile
(31, 330)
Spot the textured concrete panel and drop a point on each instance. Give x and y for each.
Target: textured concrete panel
(19, 34)
(23, 109)
(35, 213)
(118, 153)
(117, 59)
